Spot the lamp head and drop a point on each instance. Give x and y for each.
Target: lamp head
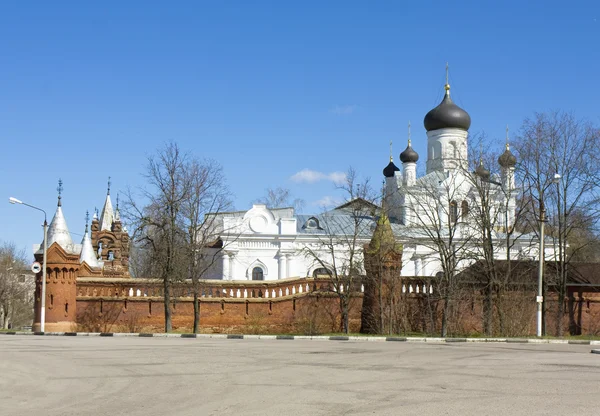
(556, 178)
(13, 200)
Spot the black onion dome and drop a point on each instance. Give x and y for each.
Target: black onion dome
(447, 115)
(389, 170)
(409, 155)
(507, 159)
(481, 171)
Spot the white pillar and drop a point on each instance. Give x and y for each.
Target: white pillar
(290, 265)
(282, 266)
(418, 266)
(410, 173)
(232, 269)
(226, 275)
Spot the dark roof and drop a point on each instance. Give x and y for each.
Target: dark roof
(409, 155)
(526, 272)
(481, 171)
(447, 115)
(390, 169)
(358, 203)
(507, 159)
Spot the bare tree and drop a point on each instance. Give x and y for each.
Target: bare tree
(552, 144)
(432, 208)
(16, 290)
(141, 264)
(280, 198)
(157, 221)
(208, 196)
(343, 232)
(495, 215)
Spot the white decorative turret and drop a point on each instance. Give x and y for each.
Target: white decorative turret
(58, 232)
(409, 160)
(107, 216)
(507, 162)
(87, 250)
(447, 128)
(393, 180)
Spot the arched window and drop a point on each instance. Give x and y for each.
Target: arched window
(257, 274)
(438, 151)
(321, 271)
(453, 212)
(464, 210)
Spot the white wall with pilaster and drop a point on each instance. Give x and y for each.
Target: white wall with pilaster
(446, 150)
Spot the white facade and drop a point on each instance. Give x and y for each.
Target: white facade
(272, 244)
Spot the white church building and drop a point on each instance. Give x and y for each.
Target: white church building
(271, 244)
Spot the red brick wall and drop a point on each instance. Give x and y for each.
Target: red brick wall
(105, 306)
(307, 313)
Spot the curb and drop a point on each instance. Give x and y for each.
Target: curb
(436, 340)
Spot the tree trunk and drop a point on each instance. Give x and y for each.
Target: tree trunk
(196, 312)
(6, 317)
(381, 320)
(560, 313)
(344, 312)
(500, 311)
(445, 312)
(572, 309)
(167, 302)
(487, 310)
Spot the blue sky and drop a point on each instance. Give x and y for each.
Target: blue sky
(89, 89)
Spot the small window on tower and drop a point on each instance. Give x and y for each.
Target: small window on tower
(464, 210)
(453, 212)
(111, 255)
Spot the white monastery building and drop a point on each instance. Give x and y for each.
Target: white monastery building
(270, 244)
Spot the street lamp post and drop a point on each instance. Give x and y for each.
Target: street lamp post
(542, 257)
(43, 295)
(540, 296)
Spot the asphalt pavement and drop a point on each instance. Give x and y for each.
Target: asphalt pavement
(179, 376)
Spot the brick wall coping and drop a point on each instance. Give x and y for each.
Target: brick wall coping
(318, 338)
(211, 282)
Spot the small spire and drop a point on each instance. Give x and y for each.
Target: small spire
(87, 220)
(60, 189)
(391, 159)
(409, 133)
(117, 202)
(447, 86)
(507, 145)
(108, 192)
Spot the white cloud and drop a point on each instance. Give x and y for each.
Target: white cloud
(307, 175)
(337, 177)
(327, 201)
(312, 176)
(344, 109)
